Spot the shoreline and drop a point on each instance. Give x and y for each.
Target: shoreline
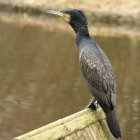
(101, 21)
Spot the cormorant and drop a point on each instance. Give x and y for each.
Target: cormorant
(95, 67)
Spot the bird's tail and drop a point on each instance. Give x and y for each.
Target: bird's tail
(113, 124)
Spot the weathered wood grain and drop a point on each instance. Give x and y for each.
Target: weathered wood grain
(84, 125)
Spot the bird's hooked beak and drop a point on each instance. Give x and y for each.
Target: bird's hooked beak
(62, 14)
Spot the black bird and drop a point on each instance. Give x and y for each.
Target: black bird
(95, 67)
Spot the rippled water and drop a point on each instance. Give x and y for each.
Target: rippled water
(40, 80)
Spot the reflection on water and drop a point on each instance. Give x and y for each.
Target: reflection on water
(40, 80)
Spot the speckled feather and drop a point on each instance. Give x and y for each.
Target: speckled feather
(98, 73)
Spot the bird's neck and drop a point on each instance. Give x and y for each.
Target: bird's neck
(80, 36)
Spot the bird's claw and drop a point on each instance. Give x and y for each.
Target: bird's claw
(93, 105)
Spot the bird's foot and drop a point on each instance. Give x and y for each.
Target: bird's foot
(93, 104)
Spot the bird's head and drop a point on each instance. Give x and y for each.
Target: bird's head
(75, 18)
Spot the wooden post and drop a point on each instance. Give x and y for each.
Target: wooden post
(84, 125)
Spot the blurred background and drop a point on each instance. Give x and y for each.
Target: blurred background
(40, 79)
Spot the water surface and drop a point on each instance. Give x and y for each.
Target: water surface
(40, 80)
